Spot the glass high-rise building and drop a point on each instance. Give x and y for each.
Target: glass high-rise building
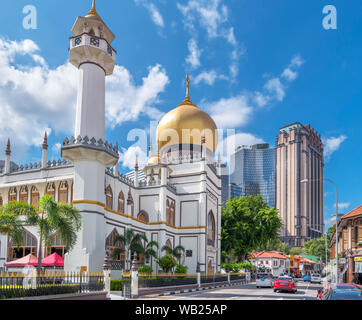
(253, 171)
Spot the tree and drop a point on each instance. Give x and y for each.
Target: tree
(274, 245)
(50, 218)
(10, 222)
(247, 223)
(131, 242)
(176, 252)
(148, 250)
(295, 251)
(316, 247)
(167, 262)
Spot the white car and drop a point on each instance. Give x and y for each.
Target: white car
(264, 280)
(315, 278)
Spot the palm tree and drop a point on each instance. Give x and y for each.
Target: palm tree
(50, 218)
(148, 251)
(176, 252)
(10, 222)
(130, 242)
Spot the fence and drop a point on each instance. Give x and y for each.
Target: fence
(165, 280)
(17, 285)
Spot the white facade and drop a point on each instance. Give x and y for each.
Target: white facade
(189, 187)
(276, 266)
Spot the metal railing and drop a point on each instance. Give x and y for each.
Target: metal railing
(165, 280)
(17, 285)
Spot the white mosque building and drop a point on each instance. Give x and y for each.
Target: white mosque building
(175, 199)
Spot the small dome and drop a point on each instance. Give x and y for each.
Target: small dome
(93, 13)
(155, 159)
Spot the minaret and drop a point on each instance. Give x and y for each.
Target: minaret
(7, 158)
(44, 154)
(136, 183)
(90, 51)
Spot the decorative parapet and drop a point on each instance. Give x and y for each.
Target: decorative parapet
(37, 166)
(187, 158)
(171, 187)
(144, 183)
(121, 177)
(92, 144)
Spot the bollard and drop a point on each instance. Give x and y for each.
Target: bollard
(107, 276)
(134, 279)
(198, 275)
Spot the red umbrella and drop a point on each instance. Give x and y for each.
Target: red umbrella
(54, 260)
(29, 260)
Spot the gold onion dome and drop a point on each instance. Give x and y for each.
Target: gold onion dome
(188, 117)
(155, 159)
(93, 13)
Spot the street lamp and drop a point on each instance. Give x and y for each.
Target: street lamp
(307, 180)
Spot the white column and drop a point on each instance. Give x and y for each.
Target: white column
(90, 115)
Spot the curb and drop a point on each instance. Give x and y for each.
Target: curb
(168, 293)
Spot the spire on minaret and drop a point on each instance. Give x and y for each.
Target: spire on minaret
(187, 98)
(45, 142)
(93, 13)
(136, 165)
(8, 151)
(150, 148)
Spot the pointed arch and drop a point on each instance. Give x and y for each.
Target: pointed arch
(35, 196)
(1, 200)
(109, 198)
(29, 245)
(121, 202)
(172, 213)
(168, 211)
(211, 229)
(12, 194)
(63, 192)
(169, 244)
(143, 216)
(23, 194)
(50, 189)
(57, 246)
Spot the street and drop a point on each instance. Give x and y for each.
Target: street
(305, 291)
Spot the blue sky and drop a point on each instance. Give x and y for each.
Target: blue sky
(255, 66)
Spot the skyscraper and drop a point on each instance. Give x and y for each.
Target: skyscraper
(254, 172)
(299, 183)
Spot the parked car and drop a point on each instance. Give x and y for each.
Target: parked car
(341, 292)
(307, 278)
(285, 284)
(316, 278)
(264, 280)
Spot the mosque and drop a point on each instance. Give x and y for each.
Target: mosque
(174, 200)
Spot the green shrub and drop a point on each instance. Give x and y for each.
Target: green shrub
(117, 284)
(236, 267)
(144, 269)
(181, 269)
(167, 262)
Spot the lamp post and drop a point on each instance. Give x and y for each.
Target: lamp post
(307, 180)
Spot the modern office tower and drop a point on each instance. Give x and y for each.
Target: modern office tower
(224, 184)
(253, 170)
(334, 219)
(235, 191)
(299, 183)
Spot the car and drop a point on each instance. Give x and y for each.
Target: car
(340, 290)
(338, 294)
(285, 283)
(315, 278)
(264, 280)
(307, 278)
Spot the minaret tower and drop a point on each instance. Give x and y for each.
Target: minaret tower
(90, 51)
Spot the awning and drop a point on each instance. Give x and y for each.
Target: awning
(54, 260)
(358, 267)
(29, 260)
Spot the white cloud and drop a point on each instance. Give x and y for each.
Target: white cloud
(125, 101)
(128, 157)
(332, 144)
(193, 59)
(154, 12)
(229, 113)
(343, 205)
(276, 88)
(208, 77)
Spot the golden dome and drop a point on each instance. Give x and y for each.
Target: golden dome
(93, 13)
(155, 159)
(183, 120)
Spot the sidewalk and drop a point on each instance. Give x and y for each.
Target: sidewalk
(116, 295)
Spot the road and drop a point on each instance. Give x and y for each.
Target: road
(305, 291)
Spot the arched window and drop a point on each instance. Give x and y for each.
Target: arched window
(71, 193)
(109, 198)
(210, 229)
(168, 243)
(12, 194)
(1, 200)
(56, 245)
(167, 212)
(28, 246)
(35, 197)
(23, 195)
(50, 190)
(143, 216)
(63, 192)
(121, 202)
(110, 245)
(172, 214)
